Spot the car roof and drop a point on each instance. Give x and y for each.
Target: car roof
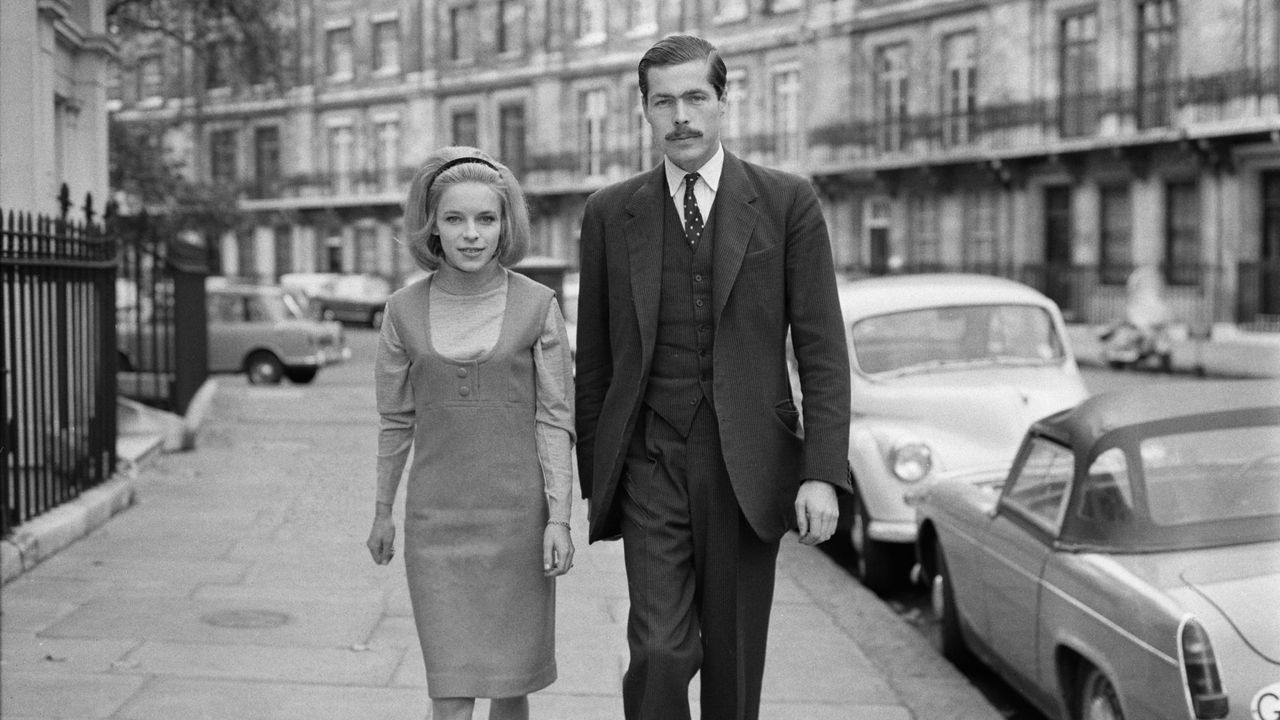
(1082, 425)
(868, 297)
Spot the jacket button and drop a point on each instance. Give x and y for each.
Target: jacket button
(694, 401)
(464, 391)
(699, 303)
(462, 372)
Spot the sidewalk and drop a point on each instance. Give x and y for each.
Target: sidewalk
(238, 587)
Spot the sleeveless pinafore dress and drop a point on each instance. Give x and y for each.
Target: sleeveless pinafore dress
(475, 508)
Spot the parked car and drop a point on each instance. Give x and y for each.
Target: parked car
(360, 299)
(256, 329)
(948, 371)
(1129, 564)
(262, 331)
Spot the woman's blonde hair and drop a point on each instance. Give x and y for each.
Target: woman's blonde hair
(447, 167)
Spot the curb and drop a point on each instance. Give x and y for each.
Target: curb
(42, 536)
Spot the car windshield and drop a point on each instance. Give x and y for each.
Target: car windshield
(270, 307)
(913, 341)
(1185, 490)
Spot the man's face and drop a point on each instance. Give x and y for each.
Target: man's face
(684, 112)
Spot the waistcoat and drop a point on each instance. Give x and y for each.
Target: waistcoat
(681, 375)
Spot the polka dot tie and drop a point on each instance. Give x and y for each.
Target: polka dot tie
(692, 215)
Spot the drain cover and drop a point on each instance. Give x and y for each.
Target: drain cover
(246, 619)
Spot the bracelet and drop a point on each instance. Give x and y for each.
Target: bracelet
(558, 522)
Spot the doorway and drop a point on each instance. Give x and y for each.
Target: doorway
(1269, 254)
(1059, 274)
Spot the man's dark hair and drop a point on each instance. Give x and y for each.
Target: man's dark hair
(680, 49)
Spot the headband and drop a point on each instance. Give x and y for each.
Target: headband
(454, 163)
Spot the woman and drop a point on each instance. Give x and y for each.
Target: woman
(473, 369)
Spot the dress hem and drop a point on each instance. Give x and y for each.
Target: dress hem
(453, 686)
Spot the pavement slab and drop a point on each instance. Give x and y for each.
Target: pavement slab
(359, 664)
(174, 698)
(26, 652)
(66, 695)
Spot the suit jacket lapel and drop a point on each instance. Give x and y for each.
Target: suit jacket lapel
(735, 220)
(643, 232)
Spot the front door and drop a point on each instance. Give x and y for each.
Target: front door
(1057, 248)
(1269, 255)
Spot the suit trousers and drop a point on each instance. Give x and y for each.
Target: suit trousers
(700, 580)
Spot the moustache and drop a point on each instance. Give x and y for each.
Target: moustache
(683, 135)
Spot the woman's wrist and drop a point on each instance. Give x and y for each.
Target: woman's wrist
(562, 523)
(381, 510)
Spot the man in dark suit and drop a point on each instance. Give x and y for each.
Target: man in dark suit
(689, 443)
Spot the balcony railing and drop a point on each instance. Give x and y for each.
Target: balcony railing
(1183, 103)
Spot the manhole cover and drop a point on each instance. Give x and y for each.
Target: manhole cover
(246, 619)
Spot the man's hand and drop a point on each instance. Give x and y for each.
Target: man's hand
(816, 511)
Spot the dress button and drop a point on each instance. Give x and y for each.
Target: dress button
(462, 372)
(464, 391)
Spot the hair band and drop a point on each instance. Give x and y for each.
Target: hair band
(454, 163)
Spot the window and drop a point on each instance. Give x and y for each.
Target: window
(1114, 244)
(222, 157)
(1106, 496)
(1182, 233)
(959, 88)
(387, 138)
(338, 54)
(926, 235)
(595, 114)
(283, 238)
(386, 46)
(466, 129)
(115, 86)
(1157, 61)
(510, 26)
(511, 137)
(247, 256)
(217, 65)
(642, 15)
(891, 96)
(1078, 74)
(266, 161)
(340, 167)
(1040, 489)
(462, 32)
(735, 112)
(980, 216)
(591, 20)
(150, 77)
(786, 114)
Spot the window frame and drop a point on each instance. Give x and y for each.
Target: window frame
(1022, 514)
(1078, 77)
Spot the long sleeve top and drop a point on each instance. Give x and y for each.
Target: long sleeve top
(466, 321)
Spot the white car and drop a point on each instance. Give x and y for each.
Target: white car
(948, 372)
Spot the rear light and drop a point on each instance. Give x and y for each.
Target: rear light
(1200, 670)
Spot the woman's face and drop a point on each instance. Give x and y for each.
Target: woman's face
(469, 223)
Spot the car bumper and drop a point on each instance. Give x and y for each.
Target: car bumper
(894, 531)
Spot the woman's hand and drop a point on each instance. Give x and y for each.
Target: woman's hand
(382, 540)
(557, 550)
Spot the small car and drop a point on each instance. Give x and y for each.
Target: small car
(359, 299)
(1128, 564)
(262, 331)
(948, 372)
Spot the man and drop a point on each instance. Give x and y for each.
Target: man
(690, 446)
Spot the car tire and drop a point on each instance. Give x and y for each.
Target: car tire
(942, 599)
(264, 368)
(301, 375)
(375, 320)
(877, 564)
(1098, 699)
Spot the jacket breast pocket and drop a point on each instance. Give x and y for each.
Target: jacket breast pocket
(758, 258)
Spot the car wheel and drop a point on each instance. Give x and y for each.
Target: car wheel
(264, 368)
(301, 375)
(876, 563)
(375, 320)
(1098, 699)
(328, 314)
(943, 601)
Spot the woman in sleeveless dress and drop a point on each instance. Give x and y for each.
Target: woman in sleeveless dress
(474, 373)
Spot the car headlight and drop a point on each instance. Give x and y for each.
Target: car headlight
(910, 461)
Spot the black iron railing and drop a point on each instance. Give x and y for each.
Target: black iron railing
(59, 389)
(160, 316)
